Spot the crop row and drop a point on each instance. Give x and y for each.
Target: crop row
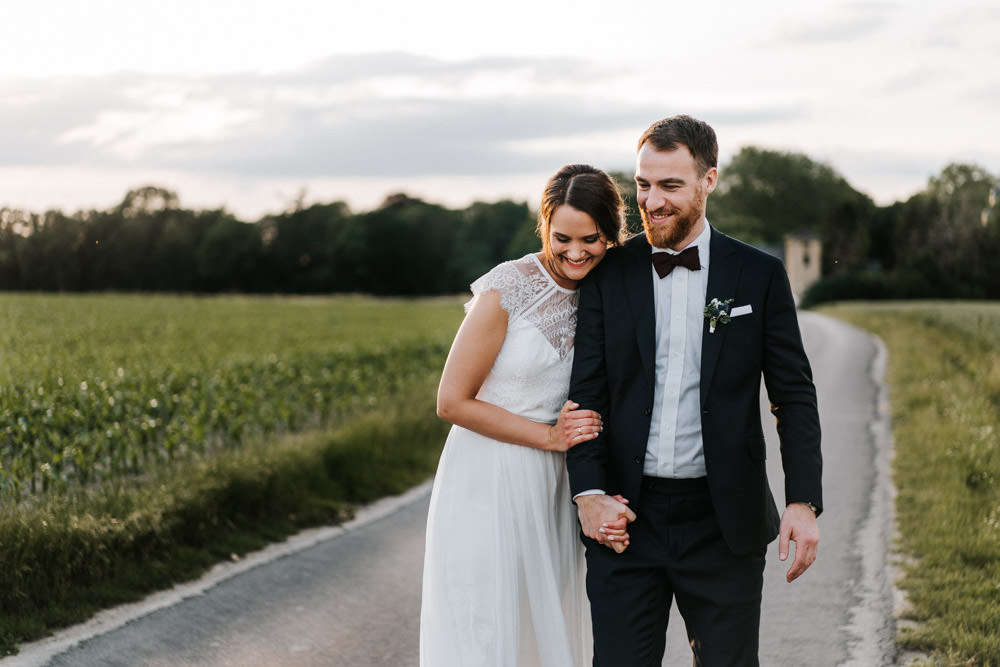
(98, 409)
(98, 427)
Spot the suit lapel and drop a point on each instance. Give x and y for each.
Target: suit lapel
(723, 274)
(638, 283)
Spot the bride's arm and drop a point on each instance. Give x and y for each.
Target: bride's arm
(469, 362)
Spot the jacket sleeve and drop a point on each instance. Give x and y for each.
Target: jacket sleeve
(587, 461)
(792, 394)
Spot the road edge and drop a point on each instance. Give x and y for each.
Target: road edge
(872, 621)
(38, 653)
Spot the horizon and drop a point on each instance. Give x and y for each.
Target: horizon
(303, 201)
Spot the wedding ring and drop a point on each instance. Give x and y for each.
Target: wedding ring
(579, 430)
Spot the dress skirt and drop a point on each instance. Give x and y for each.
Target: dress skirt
(504, 579)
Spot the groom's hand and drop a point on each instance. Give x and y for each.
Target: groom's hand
(603, 518)
(798, 525)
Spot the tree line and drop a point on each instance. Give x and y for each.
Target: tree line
(942, 242)
(149, 243)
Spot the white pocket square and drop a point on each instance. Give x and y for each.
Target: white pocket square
(741, 310)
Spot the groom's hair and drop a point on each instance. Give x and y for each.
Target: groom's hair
(698, 136)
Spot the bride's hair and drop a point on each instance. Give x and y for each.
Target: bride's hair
(587, 189)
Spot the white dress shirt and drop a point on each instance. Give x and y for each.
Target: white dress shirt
(675, 448)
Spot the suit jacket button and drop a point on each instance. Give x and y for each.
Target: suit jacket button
(637, 459)
(647, 411)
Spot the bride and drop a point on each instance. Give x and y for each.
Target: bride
(503, 581)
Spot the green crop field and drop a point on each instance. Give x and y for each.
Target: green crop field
(98, 388)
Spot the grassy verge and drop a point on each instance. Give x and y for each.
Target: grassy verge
(64, 559)
(944, 383)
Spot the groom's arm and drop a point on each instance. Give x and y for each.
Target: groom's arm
(603, 518)
(792, 394)
(588, 387)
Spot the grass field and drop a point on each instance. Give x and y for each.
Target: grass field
(144, 438)
(944, 385)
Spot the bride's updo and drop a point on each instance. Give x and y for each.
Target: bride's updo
(586, 189)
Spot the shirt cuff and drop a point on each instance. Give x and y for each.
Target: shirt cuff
(589, 492)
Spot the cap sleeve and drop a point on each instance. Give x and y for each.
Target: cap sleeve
(510, 281)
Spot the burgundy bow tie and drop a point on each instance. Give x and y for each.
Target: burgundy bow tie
(664, 262)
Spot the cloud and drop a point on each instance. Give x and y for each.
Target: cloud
(848, 23)
(399, 138)
(986, 91)
(915, 78)
(963, 22)
(379, 115)
(350, 68)
(34, 113)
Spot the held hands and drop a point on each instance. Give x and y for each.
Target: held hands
(798, 524)
(604, 518)
(573, 427)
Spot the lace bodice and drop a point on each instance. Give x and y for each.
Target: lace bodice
(530, 376)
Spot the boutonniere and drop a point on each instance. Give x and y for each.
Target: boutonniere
(717, 312)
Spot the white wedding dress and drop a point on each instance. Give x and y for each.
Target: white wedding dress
(503, 582)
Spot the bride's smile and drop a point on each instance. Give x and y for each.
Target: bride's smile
(575, 245)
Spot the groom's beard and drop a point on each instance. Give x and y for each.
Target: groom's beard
(669, 235)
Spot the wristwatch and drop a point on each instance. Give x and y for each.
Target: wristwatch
(815, 510)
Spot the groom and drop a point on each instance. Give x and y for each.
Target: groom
(675, 330)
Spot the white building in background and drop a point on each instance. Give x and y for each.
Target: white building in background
(803, 261)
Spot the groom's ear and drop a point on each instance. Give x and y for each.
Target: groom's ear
(710, 179)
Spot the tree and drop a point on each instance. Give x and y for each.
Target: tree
(301, 247)
(56, 264)
(762, 196)
(626, 185)
(943, 236)
(11, 223)
(230, 256)
(173, 263)
(482, 239)
(120, 242)
(146, 200)
(402, 247)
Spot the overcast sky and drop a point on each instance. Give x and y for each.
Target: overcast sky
(249, 104)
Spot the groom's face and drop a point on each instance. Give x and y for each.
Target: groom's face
(671, 195)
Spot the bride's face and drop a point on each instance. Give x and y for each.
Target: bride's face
(575, 245)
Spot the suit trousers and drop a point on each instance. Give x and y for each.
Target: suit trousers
(676, 552)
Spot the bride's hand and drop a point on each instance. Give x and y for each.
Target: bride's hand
(604, 519)
(615, 534)
(573, 427)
